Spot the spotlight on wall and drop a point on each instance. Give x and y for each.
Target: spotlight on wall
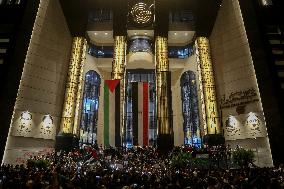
(251, 115)
(26, 116)
(252, 118)
(47, 120)
(25, 123)
(232, 120)
(106, 33)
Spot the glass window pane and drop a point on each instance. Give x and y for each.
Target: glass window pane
(90, 107)
(190, 111)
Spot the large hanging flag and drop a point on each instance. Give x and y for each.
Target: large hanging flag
(140, 107)
(112, 113)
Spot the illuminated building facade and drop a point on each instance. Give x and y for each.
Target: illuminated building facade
(152, 72)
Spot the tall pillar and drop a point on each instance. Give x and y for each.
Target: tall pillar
(163, 94)
(119, 54)
(79, 99)
(118, 72)
(65, 138)
(208, 83)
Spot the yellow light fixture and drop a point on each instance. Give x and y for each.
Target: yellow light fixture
(141, 13)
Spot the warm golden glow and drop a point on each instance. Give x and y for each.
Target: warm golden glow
(203, 111)
(77, 57)
(141, 13)
(162, 85)
(163, 119)
(79, 99)
(161, 53)
(119, 56)
(118, 71)
(213, 124)
(122, 105)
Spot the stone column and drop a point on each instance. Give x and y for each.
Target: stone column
(208, 83)
(119, 56)
(118, 72)
(163, 91)
(72, 85)
(79, 99)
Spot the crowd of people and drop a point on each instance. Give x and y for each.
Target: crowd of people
(95, 167)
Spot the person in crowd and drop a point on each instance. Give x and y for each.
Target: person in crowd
(139, 167)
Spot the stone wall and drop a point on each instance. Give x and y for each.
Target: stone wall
(236, 84)
(42, 86)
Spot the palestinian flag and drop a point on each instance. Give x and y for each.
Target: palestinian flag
(112, 113)
(140, 107)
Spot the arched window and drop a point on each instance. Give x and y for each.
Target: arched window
(89, 115)
(190, 112)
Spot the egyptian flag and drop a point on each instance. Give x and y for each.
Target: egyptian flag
(112, 113)
(140, 106)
